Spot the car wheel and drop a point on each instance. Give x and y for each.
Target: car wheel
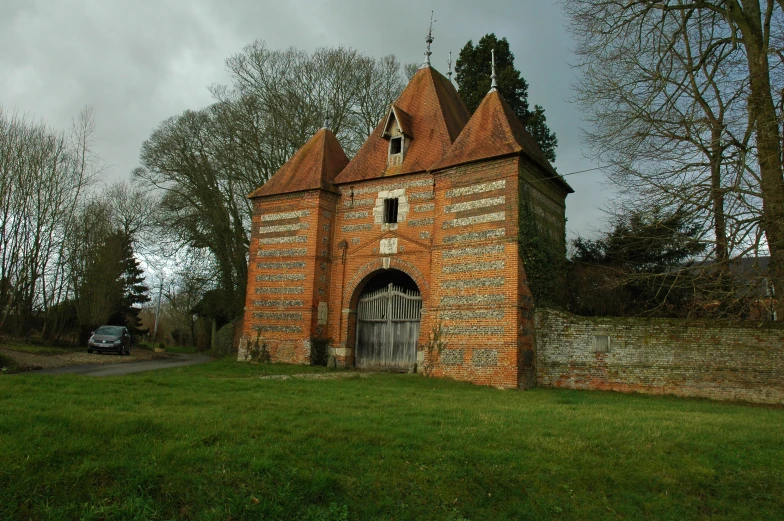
(89, 351)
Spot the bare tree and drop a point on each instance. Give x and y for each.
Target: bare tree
(682, 98)
(44, 175)
(207, 162)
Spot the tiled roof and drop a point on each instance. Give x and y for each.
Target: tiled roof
(437, 115)
(493, 131)
(315, 165)
(403, 119)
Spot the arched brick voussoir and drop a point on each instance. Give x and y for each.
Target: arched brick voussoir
(377, 265)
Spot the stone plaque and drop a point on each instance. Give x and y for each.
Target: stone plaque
(322, 314)
(388, 246)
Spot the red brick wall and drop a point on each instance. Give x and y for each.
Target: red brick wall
(356, 250)
(709, 359)
(476, 272)
(288, 273)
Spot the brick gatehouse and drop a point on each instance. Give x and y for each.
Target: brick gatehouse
(419, 231)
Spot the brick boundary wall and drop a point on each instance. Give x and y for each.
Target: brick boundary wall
(709, 359)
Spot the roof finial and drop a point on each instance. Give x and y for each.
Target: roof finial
(327, 121)
(493, 77)
(449, 65)
(429, 40)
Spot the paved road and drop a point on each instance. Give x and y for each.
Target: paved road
(177, 360)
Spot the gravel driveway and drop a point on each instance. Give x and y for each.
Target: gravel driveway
(30, 362)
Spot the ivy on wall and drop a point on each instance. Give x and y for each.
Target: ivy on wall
(544, 259)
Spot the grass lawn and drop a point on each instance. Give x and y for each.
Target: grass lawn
(215, 442)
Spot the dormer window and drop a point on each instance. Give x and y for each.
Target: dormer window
(397, 130)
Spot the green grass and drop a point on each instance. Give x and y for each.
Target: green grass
(215, 442)
(7, 364)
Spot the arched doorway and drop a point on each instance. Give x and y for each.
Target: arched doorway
(388, 316)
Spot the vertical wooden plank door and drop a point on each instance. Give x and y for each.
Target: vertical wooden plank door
(388, 328)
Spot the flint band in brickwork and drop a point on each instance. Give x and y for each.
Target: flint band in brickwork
(472, 251)
(482, 282)
(278, 329)
(422, 196)
(284, 240)
(546, 201)
(270, 315)
(473, 205)
(292, 290)
(280, 265)
(357, 228)
(467, 315)
(358, 203)
(427, 221)
(452, 356)
(474, 330)
(484, 358)
(284, 228)
(459, 300)
(424, 207)
(475, 189)
(285, 215)
(296, 252)
(475, 236)
(473, 266)
(278, 303)
(424, 235)
(355, 215)
(476, 219)
(280, 277)
(387, 187)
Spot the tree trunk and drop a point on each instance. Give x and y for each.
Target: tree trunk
(762, 112)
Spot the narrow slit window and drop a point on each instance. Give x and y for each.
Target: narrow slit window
(396, 145)
(390, 210)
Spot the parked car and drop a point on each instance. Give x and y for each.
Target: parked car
(110, 339)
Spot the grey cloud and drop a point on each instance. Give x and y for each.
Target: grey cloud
(140, 62)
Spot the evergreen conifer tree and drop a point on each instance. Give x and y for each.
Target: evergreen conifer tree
(472, 74)
(131, 279)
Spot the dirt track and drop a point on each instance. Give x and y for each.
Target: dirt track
(31, 362)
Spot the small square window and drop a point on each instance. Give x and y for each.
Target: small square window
(601, 344)
(390, 210)
(396, 145)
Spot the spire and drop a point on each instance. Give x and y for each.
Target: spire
(429, 40)
(449, 65)
(493, 77)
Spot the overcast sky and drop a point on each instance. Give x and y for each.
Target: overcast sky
(138, 62)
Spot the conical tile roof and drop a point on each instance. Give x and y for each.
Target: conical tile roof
(494, 131)
(315, 165)
(436, 117)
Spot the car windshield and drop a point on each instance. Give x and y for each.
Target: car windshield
(109, 330)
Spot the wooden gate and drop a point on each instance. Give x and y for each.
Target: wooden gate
(388, 328)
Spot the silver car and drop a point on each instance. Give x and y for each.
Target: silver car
(110, 339)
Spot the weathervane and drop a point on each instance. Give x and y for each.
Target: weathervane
(429, 40)
(493, 77)
(449, 65)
